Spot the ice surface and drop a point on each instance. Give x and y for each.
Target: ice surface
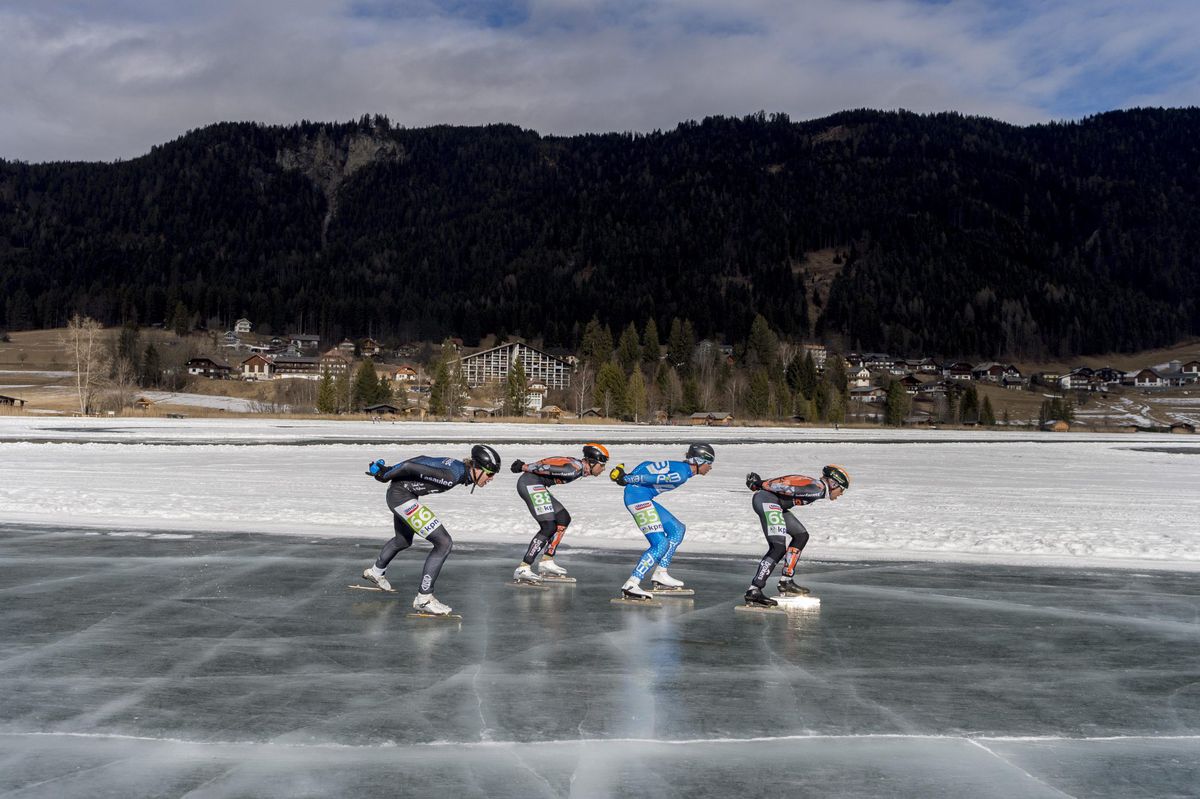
(241, 665)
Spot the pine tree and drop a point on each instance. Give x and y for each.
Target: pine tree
(611, 390)
(690, 402)
(636, 395)
(968, 409)
(437, 391)
(516, 390)
(987, 416)
(808, 376)
(596, 347)
(758, 395)
(651, 348)
(366, 386)
(764, 344)
(150, 374)
(629, 349)
(895, 406)
(326, 395)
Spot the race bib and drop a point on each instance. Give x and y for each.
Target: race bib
(418, 517)
(776, 524)
(646, 516)
(543, 503)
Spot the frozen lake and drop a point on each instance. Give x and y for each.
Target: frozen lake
(240, 665)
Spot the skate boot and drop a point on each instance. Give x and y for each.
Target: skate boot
(661, 580)
(789, 588)
(548, 566)
(524, 574)
(425, 603)
(633, 590)
(376, 576)
(755, 596)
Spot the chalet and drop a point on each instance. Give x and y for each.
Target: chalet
(535, 395)
(242, 326)
(592, 413)
(1107, 376)
(404, 374)
(258, 367)
(861, 378)
(303, 342)
(208, 367)
(347, 348)
(370, 348)
(1056, 426)
(297, 366)
(143, 404)
(1078, 379)
(1183, 427)
(550, 412)
(230, 340)
(380, 409)
(12, 402)
(1191, 368)
(334, 363)
(959, 370)
(989, 371)
(869, 394)
(1147, 378)
(911, 383)
(710, 419)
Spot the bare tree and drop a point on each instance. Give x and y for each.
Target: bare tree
(584, 382)
(88, 354)
(122, 385)
(733, 389)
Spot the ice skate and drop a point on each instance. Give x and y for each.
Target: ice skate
(755, 596)
(789, 588)
(548, 567)
(375, 576)
(663, 584)
(632, 593)
(525, 574)
(426, 605)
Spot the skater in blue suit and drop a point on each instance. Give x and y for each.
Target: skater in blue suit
(664, 532)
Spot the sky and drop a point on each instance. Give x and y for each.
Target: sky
(106, 80)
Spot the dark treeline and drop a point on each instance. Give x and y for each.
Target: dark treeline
(949, 234)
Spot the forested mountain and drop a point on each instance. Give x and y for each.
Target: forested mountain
(941, 234)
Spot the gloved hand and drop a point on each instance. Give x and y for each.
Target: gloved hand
(617, 475)
(377, 469)
(753, 481)
(517, 466)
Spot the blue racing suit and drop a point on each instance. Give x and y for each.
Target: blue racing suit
(663, 530)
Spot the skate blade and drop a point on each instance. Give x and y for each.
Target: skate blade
(798, 602)
(636, 603)
(546, 578)
(679, 592)
(760, 610)
(525, 584)
(372, 588)
(442, 616)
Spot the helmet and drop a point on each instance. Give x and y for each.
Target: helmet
(700, 453)
(485, 458)
(837, 475)
(595, 452)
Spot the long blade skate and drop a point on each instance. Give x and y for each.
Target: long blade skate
(372, 588)
(551, 578)
(636, 603)
(761, 610)
(798, 602)
(658, 589)
(442, 616)
(527, 584)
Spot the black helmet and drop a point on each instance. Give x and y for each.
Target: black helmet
(837, 475)
(700, 453)
(597, 453)
(485, 458)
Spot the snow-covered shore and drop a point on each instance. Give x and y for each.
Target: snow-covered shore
(1073, 500)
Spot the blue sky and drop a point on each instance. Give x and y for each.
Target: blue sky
(104, 80)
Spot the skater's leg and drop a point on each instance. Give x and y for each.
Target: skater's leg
(674, 529)
(543, 507)
(774, 526)
(442, 544)
(561, 520)
(775, 549)
(799, 536)
(541, 541)
(652, 555)
(402, 541)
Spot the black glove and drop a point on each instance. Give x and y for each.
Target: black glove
(753, 481)
(375, 468)
(517, 466)
(617, 475)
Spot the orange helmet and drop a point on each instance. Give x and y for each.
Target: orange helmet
(597, 453)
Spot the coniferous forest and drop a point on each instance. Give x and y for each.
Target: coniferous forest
(933, 234)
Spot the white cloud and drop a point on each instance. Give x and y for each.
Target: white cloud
(85, 84)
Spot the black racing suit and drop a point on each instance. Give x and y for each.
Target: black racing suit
(771, 502)
(551, 516)
(408, 480)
